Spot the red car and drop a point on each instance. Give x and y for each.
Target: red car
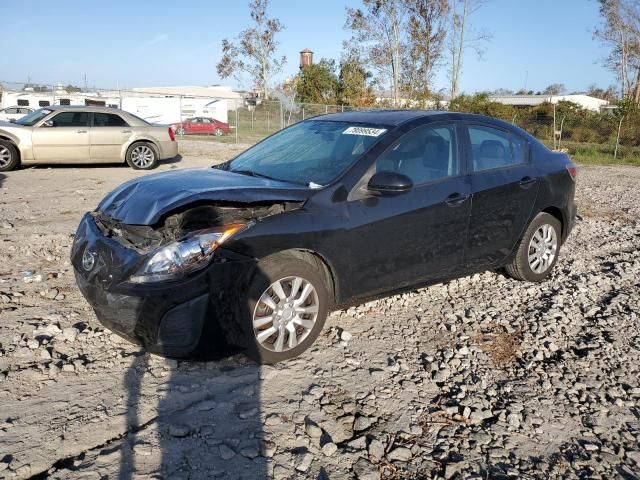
(201, 126)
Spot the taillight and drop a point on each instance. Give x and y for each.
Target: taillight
(172, 136)
(572, 168)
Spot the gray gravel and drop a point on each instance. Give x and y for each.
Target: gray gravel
(483, 377)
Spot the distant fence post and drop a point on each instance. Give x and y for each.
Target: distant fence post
(236, 124)
(281, 116)
(615, 152)
(302, 112)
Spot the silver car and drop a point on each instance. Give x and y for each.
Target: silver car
(69, 134)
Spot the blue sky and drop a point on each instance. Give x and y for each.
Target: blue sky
(161, 42)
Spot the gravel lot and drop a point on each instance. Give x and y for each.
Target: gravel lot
(483, 377)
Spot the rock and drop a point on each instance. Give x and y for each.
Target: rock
(250, 451)
(400, 454)
(178, 430)
(226, 452)
(634, 456)
(313, 430)
(268, 448)
(70, 334)
(329, 449)
(305, 462)
(376, 449)
(345, 336)
(365, 470)
(68, 367)
(362, 423)
(206, 405)
(273, 419)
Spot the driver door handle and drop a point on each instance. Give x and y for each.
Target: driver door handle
(456, 199)
(126, 131)
(527, 181)
(81, 131)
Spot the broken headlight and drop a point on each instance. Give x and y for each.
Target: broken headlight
(184, 256)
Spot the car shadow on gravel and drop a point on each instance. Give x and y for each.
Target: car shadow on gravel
(2, 179)
(203, 421)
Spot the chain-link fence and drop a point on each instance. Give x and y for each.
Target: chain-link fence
(588, 136)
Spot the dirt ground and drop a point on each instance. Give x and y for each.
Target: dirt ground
(483, 377)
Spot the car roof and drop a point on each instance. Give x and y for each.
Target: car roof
(381, 117)
(88, 108)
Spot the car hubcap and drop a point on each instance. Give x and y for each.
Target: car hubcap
(5, 156)
(543, 248)
(218, 132)
(285, 314)
(142, 156)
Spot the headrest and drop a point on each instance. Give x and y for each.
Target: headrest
(492, 149)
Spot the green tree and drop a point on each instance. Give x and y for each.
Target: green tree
(255, 52)
(318, 83)
(353, 84)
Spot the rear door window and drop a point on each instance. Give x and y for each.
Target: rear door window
(108, 120)
(71, 119)
(494, 148)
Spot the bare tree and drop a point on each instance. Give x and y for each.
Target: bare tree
(254, 53)
(620, 30)
(377, 31)
(427, 25)
(463, 36)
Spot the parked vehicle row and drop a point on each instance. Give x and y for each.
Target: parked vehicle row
(70, 134)
(330, 212)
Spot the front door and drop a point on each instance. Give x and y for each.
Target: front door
(108, 133)
(63, 138)
(504, 187)
(414, 237)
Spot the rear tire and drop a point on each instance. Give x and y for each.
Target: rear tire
(297, 308)
(9, 158)
(218, 132)
(538, 251)
(142, 156)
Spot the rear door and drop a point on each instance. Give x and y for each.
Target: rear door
(504, 186)
(109, 131)
(63, 138)
(418, 236)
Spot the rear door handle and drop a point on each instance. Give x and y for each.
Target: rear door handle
(527, 181)
(81, 131)
(456, 199)
(126, 131)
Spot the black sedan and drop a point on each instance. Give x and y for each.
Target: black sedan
(330, 212)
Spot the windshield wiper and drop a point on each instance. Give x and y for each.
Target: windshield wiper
(251, 173)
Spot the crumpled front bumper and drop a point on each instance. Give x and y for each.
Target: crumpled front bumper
(192, 316)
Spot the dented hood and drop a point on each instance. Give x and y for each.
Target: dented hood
(145, 200)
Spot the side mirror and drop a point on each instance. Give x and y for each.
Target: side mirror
(48, 123)
(389, 183)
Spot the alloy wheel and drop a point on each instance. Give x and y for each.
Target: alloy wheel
(543, 249)
(5, 156)
(142, 156)
(285, 314)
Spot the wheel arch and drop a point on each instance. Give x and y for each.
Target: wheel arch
(559, 215)
(324, 266)
(13, 142)
(129, 145)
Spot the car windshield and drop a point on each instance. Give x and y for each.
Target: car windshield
(312, 153)
(34, 117)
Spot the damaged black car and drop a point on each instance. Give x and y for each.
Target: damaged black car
(330, 212)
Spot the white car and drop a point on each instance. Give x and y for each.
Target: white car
(14, 113)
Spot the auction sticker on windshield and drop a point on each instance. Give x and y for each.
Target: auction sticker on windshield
(369, 132)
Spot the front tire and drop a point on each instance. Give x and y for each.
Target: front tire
(286, 308)
(538, 250)
(218, 132)
(142, 156)
(9, 158)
